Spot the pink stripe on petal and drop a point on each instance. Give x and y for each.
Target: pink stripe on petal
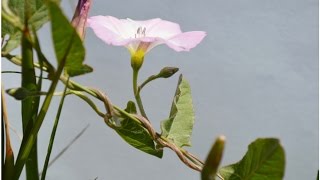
(186, 41)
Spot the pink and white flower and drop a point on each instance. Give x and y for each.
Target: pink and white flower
(141, 36)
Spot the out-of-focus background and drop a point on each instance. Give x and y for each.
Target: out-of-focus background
(254, 75)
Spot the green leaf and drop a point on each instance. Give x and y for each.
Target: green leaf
(6, 28)
(63, 33)
(264, 160)
(131, 108)
(178, 127)
(12, 43)
(136, 135)
(38, 17)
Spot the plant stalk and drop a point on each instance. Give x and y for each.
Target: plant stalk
(137, 93)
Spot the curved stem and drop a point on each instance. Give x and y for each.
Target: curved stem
(89, 101)
(151, 78)
(196, 162)
(182, 154)
(186, 157)
(137, 93)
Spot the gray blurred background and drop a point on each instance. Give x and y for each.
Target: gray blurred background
(254, 75)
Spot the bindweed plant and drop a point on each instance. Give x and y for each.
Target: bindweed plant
(21, 19)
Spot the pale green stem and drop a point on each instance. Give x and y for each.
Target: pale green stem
(151, 78)
(75, 86)
(137, 93)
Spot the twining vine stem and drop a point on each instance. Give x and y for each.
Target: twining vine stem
(183, 155)
(187, 158)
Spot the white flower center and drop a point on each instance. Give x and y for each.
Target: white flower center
(141, 32)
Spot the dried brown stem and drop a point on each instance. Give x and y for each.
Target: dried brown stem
(193, 162)
(6, 123)
(179, 154)
(182, 154)
(106, 101)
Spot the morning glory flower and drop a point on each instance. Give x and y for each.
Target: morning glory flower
(139, 37)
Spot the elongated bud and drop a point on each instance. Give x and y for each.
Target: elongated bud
(211, 165)
(167, 72)
(18, 93)
(79, 19)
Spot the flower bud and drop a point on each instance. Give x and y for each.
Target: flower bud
(212, 163)
(79, 19)
(18, 93)
(167, 72)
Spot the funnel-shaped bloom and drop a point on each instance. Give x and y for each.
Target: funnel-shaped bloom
(141, 36)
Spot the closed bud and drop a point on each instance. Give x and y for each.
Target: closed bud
(212, 163)
(79, 19)
(167, 72)
(18, 93)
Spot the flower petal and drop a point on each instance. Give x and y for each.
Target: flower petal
(153, 32)
(186, 41)
(143, 24)
(163, 29)
(110, 29)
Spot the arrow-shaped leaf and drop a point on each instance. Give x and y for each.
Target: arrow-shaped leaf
(178, 127)
(136, 135)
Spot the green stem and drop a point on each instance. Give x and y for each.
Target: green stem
(29, 106)
(78, 87)
(29, 140)
(137, 93)
(89, 101)
(151, 78)
(53, 133)
(75, 86)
